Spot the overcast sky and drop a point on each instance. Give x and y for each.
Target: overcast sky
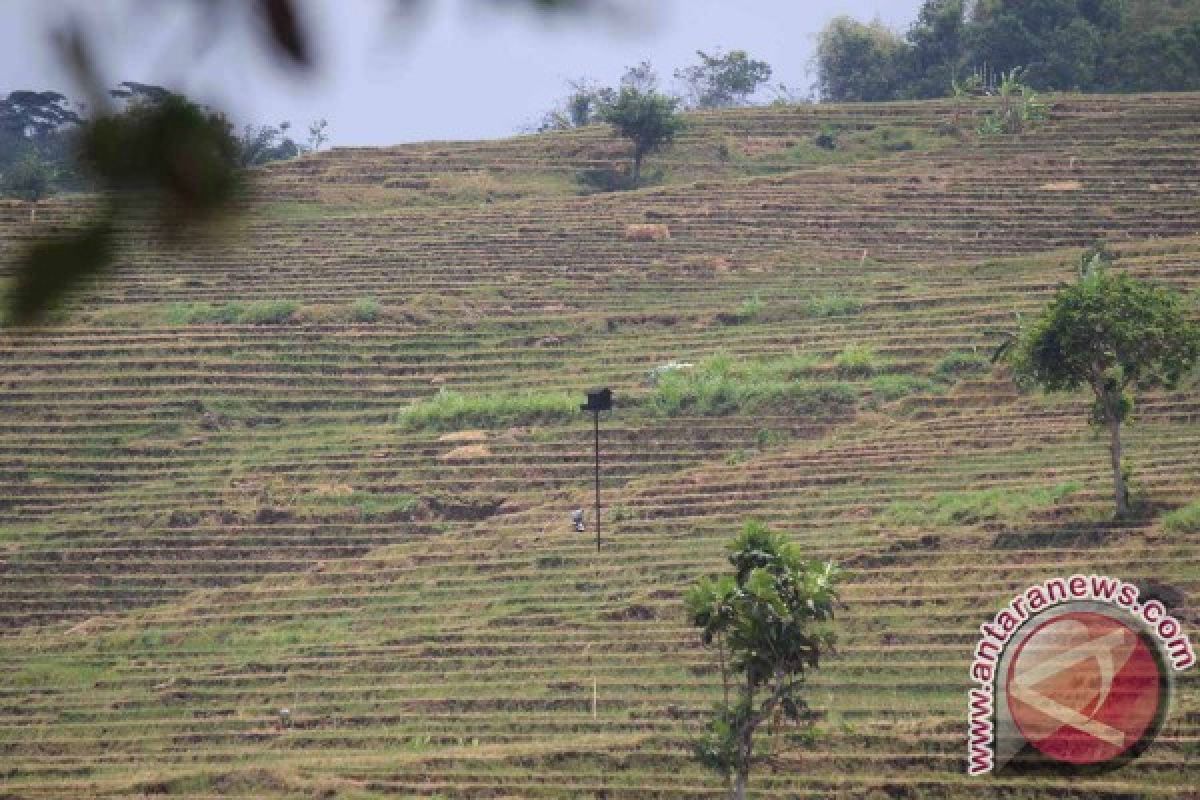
(460, 72)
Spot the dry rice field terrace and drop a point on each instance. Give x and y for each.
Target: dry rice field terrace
(325, 462)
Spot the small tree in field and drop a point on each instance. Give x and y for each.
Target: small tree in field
(28, 179)
(1110, 333)
(649, 119)
(767, 622)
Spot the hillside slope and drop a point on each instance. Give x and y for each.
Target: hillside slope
(230, 486)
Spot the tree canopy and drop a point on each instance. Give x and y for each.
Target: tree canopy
(723, 80)
(858, 62)
(1081, 45)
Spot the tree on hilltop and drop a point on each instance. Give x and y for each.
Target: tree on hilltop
(1111, 333)
(723, 80)
(650, 120)
(768, 621)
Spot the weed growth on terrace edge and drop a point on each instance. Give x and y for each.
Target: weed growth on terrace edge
(1185, 519)
(833, 305)
(886, 388)
(856, 361)
(720, 386)
(971, 507)
(450, 410)
(961, 362)
(365, 309)
(259, 312)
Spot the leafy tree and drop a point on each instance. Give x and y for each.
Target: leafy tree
(1155, 60)
(937, 50)
(32, 115)
(135, 94)
(39, 125)
(583, 106)
(857, 62)
(27, 179)
(723, 80)
(262, 144)
(1060, 42)
(1019, 106)
(648, 119)
(641, 76)
(1110, 333)
(317, 135)
(768, 622)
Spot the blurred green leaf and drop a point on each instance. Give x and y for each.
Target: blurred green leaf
(50, 268)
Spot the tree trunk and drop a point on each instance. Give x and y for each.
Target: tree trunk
(745, 747)
(1119, 488)
(738, 792)
(638, 155)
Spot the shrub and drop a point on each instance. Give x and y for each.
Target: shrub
(962, 363)
(450, 410)
(833, 305)
(368, 504)
(1184, 520)
(269, 312)
(856, 361)
(603, 179)
(886, 388)
(263, 312)
(748, 311)
(968, 508)
(719, 386)
(204, 313)
(366, 309)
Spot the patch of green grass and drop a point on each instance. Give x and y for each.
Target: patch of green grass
(834, 146)
(856, 361)
(260, 312)
(886, 388)
(959, 363)
(1184, 520)
(972, 507)
(203, 313)
(365, 309)
(48, 673)
(269, 312)
(750, 310)
(720, 386)
(450, 410)
(368, 504)
(833, 305)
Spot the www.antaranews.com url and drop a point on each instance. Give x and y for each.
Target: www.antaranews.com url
(1035, 600)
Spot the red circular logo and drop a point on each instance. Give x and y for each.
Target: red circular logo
(1084, 688)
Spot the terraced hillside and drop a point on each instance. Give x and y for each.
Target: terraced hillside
(324, 465)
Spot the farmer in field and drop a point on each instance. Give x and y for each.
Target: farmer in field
(577, 520)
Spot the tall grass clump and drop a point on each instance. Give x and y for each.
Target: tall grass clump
(985, 505)
(365, 309)
(204, 313)
(721, 386)
(260, 312)
(856, 361)
(450, 410)
(269, 312)
(1184, 520)
(833, 305)
(959, 363)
